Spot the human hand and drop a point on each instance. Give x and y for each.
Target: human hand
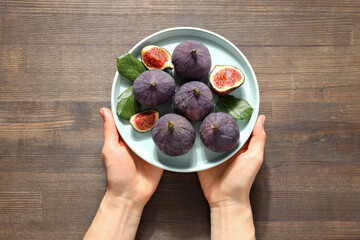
(227, 188)
(129, 177)
(230, 182)
(131, 182)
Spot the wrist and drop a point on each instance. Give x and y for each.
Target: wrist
(117, 218)
(231, 203)
(232, 220)
(121, 204)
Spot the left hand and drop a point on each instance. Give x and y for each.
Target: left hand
(230, 182)
(129, 177)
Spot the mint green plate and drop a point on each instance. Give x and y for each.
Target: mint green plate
(223, 52)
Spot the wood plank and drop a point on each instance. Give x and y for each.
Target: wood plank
(23, 181)
(20, 207)
(12, 59)
(333, 114)
(323, 27)
(307, 230)
(298, 60)
(273, 206)
(74, 87)
(161, 231)
(355, 40)
(308, 178)
(1, 31)
(96, 6)
(57, 67)
(290, 71)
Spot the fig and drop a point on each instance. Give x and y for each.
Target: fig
(153, 87)
(219, 132)
(173, 134)
(144, 121)
(191, 60)
(225, 79)
(155, 57)
(193, 100)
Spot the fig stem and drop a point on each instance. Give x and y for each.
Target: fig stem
(214, 127)
(152, 83)
(196, 91)
(193, 52)
(170, 124)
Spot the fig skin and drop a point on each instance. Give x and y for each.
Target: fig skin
(151, 118)
(231, 79)
(153, 87)
(192, 60)
(193, 100)
(219, 132)
(173, 134)
(154, 57)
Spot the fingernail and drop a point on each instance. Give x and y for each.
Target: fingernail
(263, 120)
(102, 113)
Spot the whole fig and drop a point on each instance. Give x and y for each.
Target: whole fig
(193, 100)
(153, 87)
(219, 132)
(192, 60)
(173, 134)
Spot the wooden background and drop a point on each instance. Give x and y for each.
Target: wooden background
(57, 63)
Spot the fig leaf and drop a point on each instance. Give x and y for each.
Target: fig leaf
(236, 107)
(127, 106)
(129, 66)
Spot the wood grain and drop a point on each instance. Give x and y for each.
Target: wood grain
(57, 63)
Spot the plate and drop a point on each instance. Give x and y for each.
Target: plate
(223, 52)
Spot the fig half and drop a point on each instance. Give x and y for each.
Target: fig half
(155, 57)
(225, 79)
(144, 121)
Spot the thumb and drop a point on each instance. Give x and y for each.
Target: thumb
(257, 141)
(111, 135)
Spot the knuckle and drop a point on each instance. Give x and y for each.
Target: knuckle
(264, 135)
(105, 151)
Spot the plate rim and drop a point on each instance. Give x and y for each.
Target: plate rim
(255, 113)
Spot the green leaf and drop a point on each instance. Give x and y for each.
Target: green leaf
(129, 66)
(127, 106)
(236, 107)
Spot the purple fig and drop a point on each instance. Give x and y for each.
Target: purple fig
(219, 132)
(192, 60)
(193, 100)
(173, 134)
(153, 87)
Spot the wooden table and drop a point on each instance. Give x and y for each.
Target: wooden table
(57, 62)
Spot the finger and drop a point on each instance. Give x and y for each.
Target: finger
(111, 135)
(257, 141)
(122, 142)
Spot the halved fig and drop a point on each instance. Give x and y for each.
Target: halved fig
(144, 121)
(155, 57)
(225, 79)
